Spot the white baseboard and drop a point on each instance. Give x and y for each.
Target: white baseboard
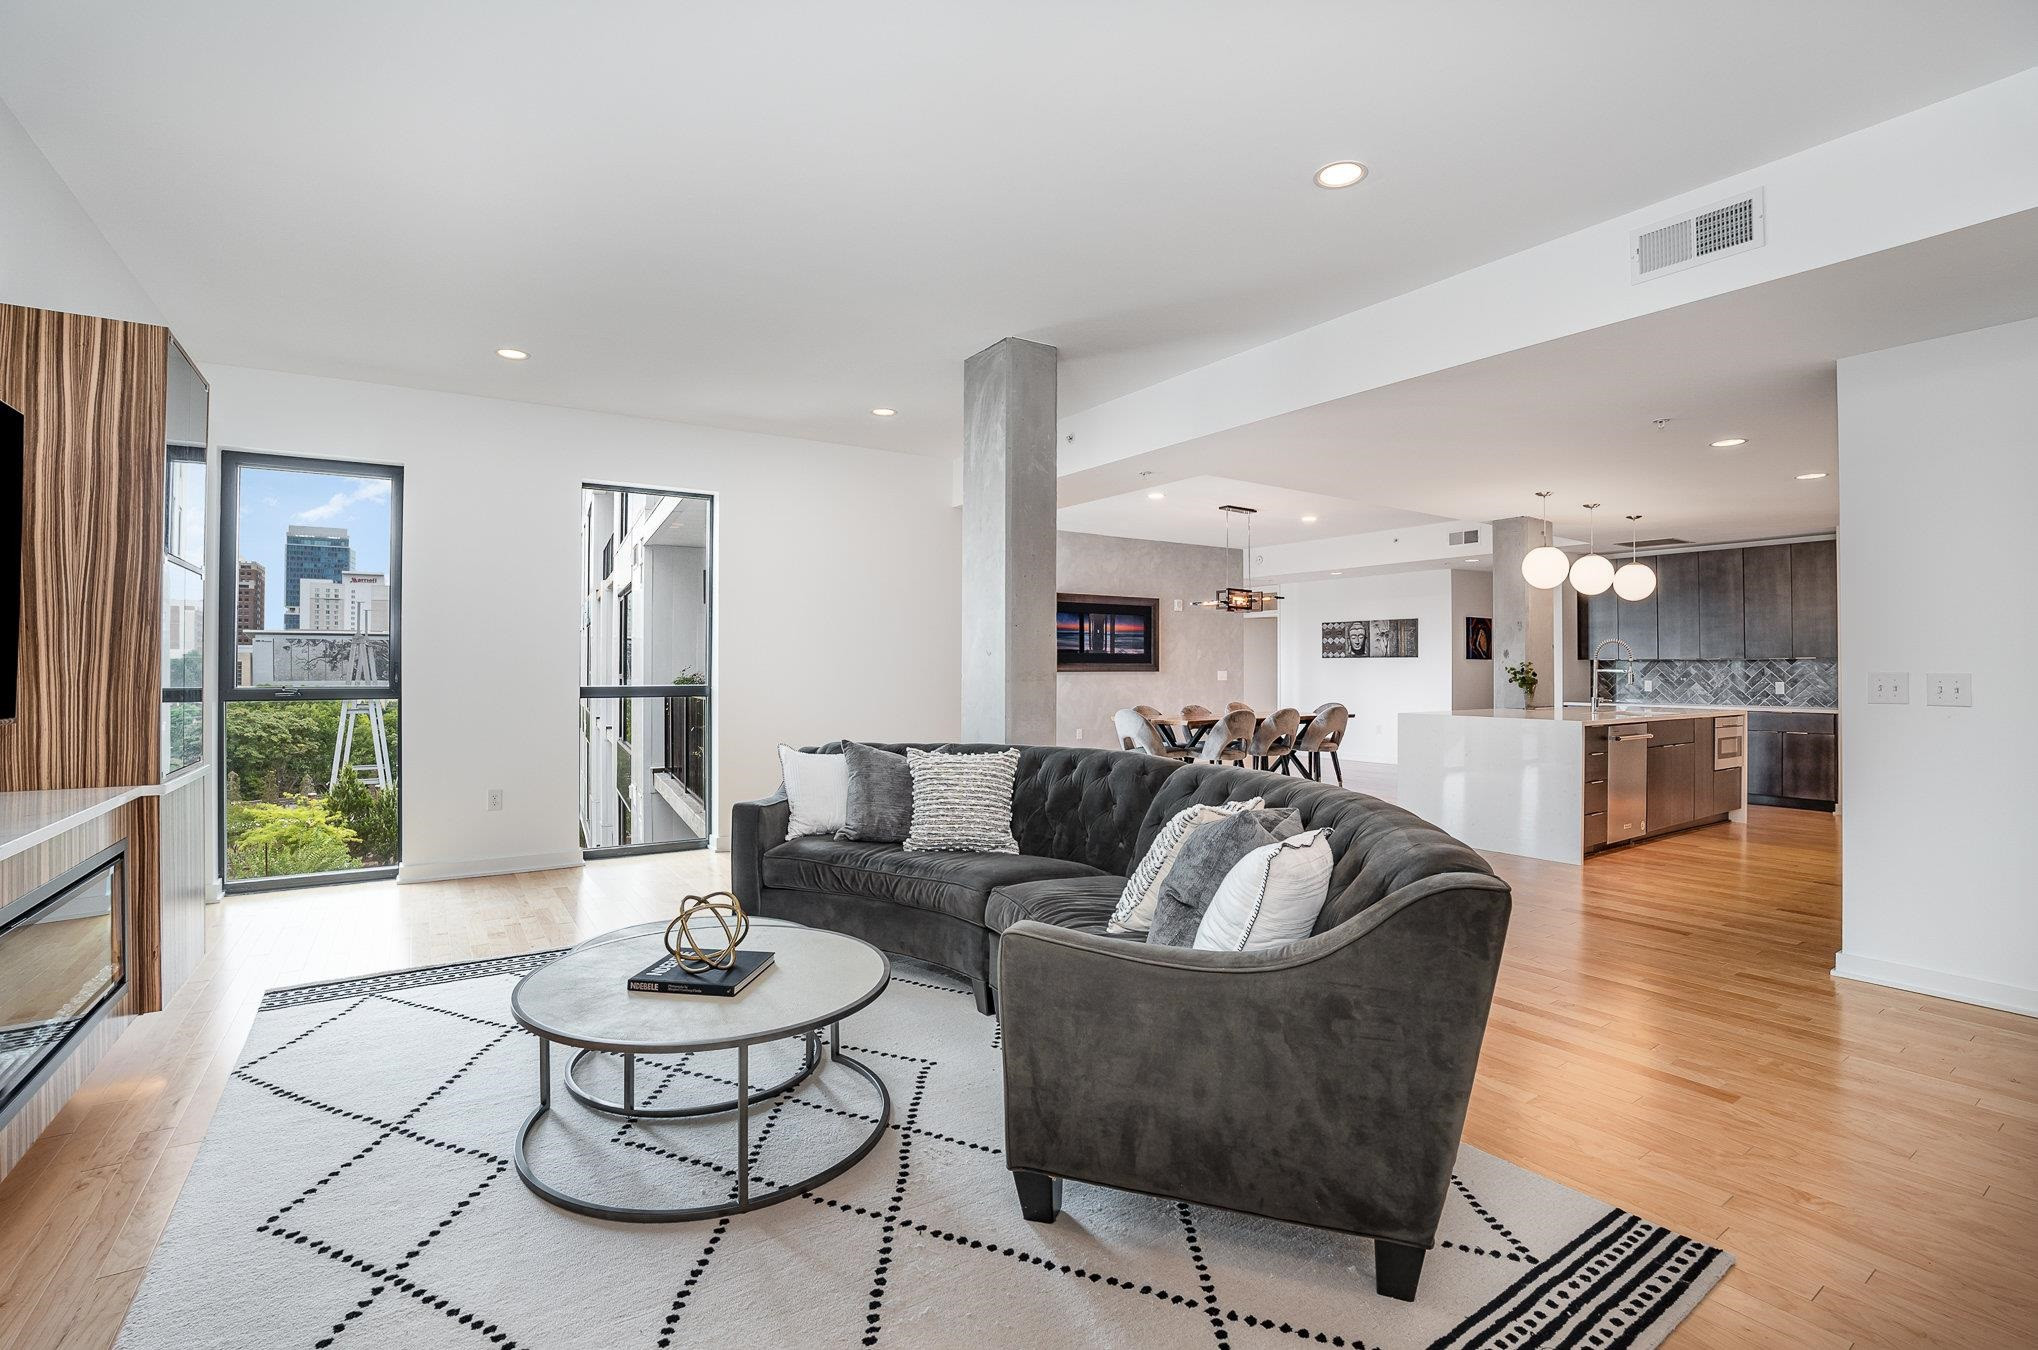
(1938, 983)
(485, 867)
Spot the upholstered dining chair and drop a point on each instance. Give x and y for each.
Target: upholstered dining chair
(1153, 717)
(1324, 734)
(1275, 740)
(1236, 706)
(1137, 732)
(1193, 711)
(1230, 741)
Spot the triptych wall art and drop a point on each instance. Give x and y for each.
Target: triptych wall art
(1369, 637)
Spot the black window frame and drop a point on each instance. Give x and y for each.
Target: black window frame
(662, 692)
(228, 635)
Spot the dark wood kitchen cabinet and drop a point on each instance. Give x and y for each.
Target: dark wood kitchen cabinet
(1720, 636)
(1814, 600)
(1794, 759)
(1766, 587)
(1677, 606)
(1670, 802)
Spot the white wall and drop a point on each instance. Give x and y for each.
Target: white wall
(1376, 689)
(1471, 681)
(837, 600)
(1938, 475)
(51, 254)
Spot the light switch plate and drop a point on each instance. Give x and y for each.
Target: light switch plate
(1223, 675)
(1949, 691)
(1178, 606)
(1889, 687)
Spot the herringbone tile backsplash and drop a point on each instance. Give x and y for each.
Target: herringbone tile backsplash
(1806, 684)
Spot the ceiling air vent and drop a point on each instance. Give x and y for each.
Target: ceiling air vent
(1696, 237)
(1464, 536)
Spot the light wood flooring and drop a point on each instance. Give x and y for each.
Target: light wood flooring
(1666, 1036)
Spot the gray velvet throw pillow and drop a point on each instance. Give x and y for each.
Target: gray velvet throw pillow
(880, 795)
(1207, 857)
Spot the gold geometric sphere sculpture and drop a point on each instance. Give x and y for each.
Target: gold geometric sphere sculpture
(718, 918)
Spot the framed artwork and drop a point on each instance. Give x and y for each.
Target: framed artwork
(1369, 637)
(1106, 632)
(1478, 639)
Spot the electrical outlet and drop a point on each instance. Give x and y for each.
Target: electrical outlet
(495, 799)
(1778, 688)
(1889, 687)
(1949, 691)
(1648, 686)
(1178, 606)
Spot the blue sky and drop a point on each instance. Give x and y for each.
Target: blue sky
(272, 500)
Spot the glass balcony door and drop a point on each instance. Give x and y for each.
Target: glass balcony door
(647, 574)
(311, 670)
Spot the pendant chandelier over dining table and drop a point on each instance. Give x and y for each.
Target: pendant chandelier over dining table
(1240, 599)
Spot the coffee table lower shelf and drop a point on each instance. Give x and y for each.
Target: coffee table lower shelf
(739, 1106)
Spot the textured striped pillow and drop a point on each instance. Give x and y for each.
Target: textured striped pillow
(962, 803)
(1134, 913)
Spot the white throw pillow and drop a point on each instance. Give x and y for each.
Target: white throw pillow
(1271, 897)
(1134, 911)
(817, 791)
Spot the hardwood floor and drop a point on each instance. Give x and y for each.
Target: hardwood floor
(1665, 1036)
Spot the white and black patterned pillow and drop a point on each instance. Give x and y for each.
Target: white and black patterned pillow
(962, 803)
(1134, 912)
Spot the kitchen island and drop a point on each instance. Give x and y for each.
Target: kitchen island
(1562, 783)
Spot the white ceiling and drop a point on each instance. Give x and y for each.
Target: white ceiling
(1575, 415)
(778, 216)
(1188, 513)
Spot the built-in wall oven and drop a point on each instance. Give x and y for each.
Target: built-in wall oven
(1730, 741)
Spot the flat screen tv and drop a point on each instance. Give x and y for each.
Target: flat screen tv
(12, 430)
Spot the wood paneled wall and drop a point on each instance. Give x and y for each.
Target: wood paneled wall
(90, 680)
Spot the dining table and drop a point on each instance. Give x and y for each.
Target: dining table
(1188, 732)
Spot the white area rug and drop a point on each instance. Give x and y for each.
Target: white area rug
(356, 1191)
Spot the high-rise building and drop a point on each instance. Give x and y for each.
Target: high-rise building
(315, 551)
(357, 603)
(251, 597)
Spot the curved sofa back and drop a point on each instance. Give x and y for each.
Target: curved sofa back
(1104, 807)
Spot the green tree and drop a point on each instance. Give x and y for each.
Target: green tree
(371, 814)
(274, 839)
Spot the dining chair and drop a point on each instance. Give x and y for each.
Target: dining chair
(1193, 711)
(1236, 706)
(1230, 741)
(1153, 716)
(1323, 735)
(1275, 740)
(1137, 732)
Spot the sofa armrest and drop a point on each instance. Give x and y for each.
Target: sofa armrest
(1324, 1082)
(755, 828)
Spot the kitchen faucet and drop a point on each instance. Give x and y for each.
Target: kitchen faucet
(1628, 673)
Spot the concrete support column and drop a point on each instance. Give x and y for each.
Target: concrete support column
(1522, 614)
(1008, 525)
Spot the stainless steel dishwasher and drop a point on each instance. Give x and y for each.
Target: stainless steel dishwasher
(1627, 782)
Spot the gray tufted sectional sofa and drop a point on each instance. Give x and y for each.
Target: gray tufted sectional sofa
(1322, 1083)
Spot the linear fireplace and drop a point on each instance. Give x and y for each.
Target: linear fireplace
(63, 961)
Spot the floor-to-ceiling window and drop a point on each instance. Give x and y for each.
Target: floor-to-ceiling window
(184, 566)
(310, 669)
(646, 595)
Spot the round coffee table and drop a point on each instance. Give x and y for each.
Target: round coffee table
(816, 979)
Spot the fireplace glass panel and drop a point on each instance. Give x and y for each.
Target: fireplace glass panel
(61, 957)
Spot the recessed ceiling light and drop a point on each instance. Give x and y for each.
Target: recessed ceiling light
(884, 412)
(512, 354)
(1156, 496)
(1309, 520)
(1342, 174)
(1808, 477)
(1730, 442)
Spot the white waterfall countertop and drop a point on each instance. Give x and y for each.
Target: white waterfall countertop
(31, 818)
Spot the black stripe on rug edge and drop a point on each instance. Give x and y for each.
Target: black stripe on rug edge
(1583, 1247)
(1646, 1254)
(1676, 1296)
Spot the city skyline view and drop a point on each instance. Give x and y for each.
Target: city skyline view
(272, 500)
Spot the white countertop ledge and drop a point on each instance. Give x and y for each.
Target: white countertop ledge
(31, 818)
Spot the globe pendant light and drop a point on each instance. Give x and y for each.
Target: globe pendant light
(1592, 574)
(1545, 567)
(1636, 580)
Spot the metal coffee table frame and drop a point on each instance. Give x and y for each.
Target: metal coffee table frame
(740, 1105)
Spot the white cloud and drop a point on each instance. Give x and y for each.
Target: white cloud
(374, 489)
